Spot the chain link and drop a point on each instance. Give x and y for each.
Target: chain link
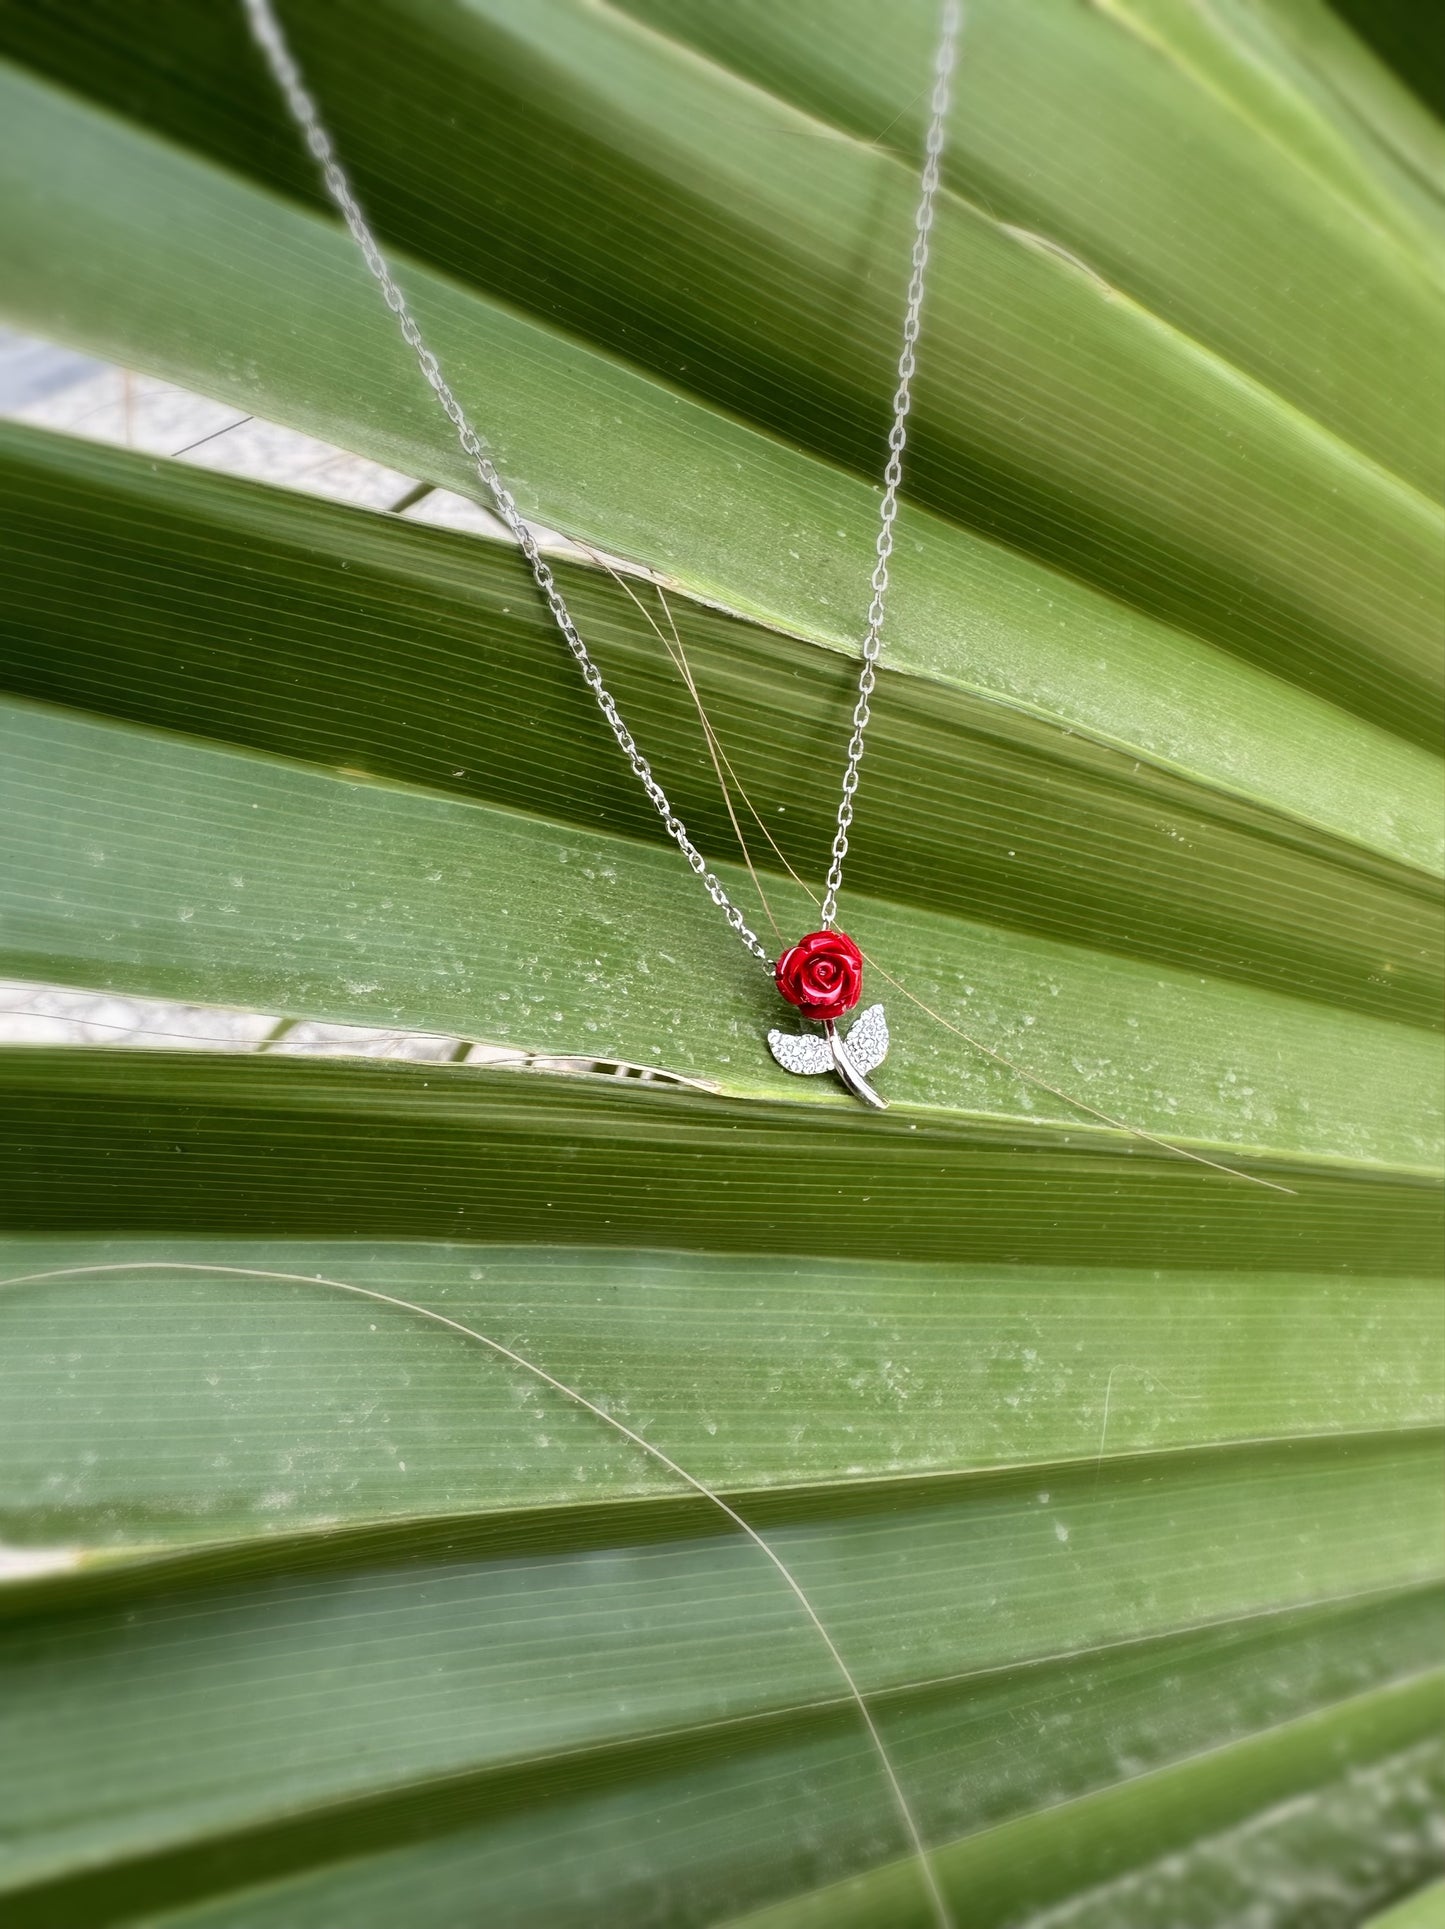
(266, 29)
(943, 65)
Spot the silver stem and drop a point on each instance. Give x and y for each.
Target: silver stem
(848, 1071)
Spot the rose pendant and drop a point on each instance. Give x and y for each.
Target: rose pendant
(823, 976)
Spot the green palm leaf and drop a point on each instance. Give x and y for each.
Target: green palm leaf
(1115, 1479)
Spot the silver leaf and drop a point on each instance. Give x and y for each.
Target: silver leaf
(800, 1052)
(867, 1042)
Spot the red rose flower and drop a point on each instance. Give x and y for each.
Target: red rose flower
(822, 975)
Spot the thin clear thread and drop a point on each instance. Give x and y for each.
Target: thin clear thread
(925, 1865)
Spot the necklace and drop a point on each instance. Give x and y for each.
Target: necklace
(822, 974)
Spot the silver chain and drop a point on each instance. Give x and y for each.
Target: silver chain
(267, 32)
(897, 439)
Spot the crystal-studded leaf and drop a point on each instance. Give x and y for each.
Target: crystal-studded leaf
(867, 1042)
(802, 1052)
